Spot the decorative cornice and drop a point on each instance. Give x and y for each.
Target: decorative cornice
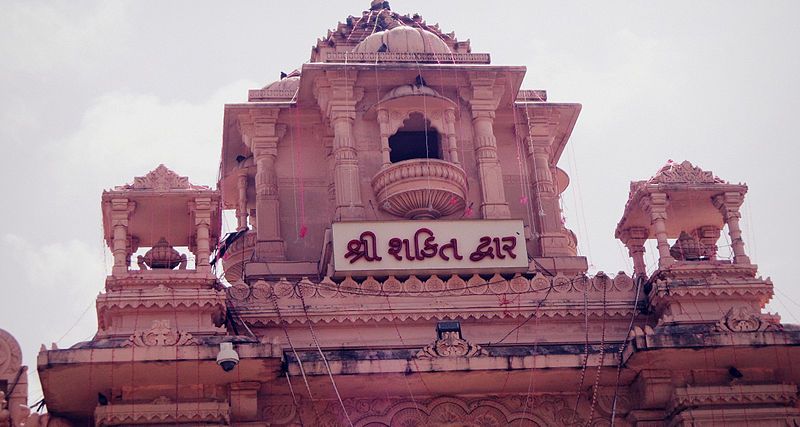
(451, 345)
(703, 396)
(160, 412)
(159, 297)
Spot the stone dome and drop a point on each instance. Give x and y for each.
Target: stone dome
(403, 39)
(410, 90)
(288, 83)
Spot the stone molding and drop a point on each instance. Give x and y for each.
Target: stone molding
(451, 345)
(162, 412)
(255, 95)
(160, 297)
(160, 334)
(443, 58)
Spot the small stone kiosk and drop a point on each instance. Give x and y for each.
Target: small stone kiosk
(400, 259)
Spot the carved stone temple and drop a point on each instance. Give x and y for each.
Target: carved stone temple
(400, 259)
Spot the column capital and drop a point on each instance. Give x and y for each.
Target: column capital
(728, 204)
(634, 236)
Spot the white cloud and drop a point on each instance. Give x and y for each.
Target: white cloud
(124, 134)
(40, 36)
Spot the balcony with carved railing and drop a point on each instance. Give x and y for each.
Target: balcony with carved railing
(421, 188)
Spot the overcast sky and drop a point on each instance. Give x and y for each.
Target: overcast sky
(97, 92)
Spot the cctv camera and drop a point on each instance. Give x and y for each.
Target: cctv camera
(227, 357)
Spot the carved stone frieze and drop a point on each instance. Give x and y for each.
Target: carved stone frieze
(745, 319)
(159, 335)
(451, 344)
(253, 302)
(489, 411)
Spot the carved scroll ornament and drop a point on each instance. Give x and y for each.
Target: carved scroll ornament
(161, 334)
(744, 319)
(451, 345)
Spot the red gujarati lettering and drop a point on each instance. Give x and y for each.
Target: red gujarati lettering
(363, 247)
(486, 249)
(424, 247)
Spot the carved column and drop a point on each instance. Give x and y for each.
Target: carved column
(241, 207)
(554, 238)
(264, 144)
(201, 209)
(383, 122)
(656, 206)
(121, 210)
(728, 204)
(337, 97)
(484, 97)
(450, 134)
(634, 239)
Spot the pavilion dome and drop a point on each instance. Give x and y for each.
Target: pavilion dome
(289, 83)
(403, 39)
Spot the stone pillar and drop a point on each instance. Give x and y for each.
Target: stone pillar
(656, 206)
(201, 209)
(484, 96)
(450, 135)
(383, 122)
(554, 238)
(634, 239)
(728, 204)
(264, 145)
(241, 207)
(121, 210)
(337, 97)
(493, 203)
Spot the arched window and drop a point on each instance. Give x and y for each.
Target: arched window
(415, 140)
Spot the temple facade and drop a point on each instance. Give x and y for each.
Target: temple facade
(400, 259)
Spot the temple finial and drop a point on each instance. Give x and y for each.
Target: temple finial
(379, 4)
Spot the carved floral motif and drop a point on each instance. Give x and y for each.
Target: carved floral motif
(161, 334)
(744, 319)
(450, 344)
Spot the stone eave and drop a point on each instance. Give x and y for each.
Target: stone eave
(311, 71)
(565, 127)
(103, 365)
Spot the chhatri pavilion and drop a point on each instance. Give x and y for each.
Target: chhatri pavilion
(400, 259)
